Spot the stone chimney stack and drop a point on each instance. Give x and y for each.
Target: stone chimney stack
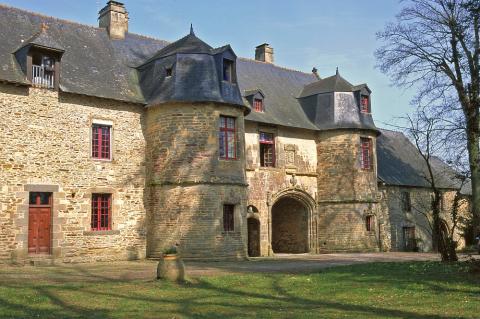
(114, 18)
(264, 53)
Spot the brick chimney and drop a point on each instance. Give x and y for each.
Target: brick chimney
(114, 18)
(264, 53)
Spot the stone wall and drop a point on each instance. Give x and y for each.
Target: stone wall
(340, 176)
(45, 144)
(190, 184)
(294, 173)
(347, 194)
(420, 215)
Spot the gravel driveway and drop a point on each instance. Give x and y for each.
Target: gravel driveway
(146, 269)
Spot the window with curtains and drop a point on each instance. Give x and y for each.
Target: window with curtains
(227, 138)
(267, 150)
(101, 212)
(101, 141)
(228, 217)
(366, 153)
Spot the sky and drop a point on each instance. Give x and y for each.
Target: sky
(304, 34)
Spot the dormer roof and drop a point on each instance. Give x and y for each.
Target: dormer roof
(223, 49)
(190, 44)
(335, 83)
(197, 75)
(248, 93)
(43, 40)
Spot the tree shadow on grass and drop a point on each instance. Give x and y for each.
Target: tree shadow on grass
(217, 297)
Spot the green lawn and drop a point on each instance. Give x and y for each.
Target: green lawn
(377, 290)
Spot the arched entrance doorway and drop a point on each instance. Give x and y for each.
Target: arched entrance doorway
(253, 237)
(290, 226)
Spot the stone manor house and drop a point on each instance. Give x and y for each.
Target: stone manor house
(114, 146)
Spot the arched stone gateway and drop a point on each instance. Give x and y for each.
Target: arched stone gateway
(291, 220)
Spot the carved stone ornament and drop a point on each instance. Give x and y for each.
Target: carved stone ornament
(293, 180)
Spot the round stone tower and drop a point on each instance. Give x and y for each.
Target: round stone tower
(195, 151)
(347, 195)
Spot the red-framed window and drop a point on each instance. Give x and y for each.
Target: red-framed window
(258, 105)
(369, 223)
(101, 140)
(101, 212)
(267, 150)
(364, 104)
(367, 156)
(228, 217)
(227, 138)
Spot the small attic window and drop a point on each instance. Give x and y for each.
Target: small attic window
(43, 71)
(169, 71)
(364, 104)
(258, 105)
(228, 71)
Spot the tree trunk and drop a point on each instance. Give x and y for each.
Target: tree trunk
(442, 240)
(473, 157)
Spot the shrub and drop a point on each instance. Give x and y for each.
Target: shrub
(170, 251)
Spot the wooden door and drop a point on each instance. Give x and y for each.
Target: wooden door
(39, 223)
(253, 237)
(410, 242)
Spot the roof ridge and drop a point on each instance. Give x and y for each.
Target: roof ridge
(77, 23)
(136, 34)
(41, 15)
(275, 65)
(148, 37)
(386, 129)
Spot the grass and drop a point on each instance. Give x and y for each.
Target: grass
(376, 290)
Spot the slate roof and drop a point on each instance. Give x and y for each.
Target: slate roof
(196, 74)
(188, 44)
(280, 87)
(92, 64)
(333, 103)
(43, 39)
(334, 83)
(400, 164)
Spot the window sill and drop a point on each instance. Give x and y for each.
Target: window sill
(270, 169)
(228, 159)
(104, 160)
(231, 83)
(100, 232)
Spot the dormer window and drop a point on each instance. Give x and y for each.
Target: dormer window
(365, 104)
(258, 105)
(228, 71)
(43, 70)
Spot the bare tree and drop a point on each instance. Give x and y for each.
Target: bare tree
(432, 141)
(434, 46)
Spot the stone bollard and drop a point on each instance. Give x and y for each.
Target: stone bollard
(171, 268)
